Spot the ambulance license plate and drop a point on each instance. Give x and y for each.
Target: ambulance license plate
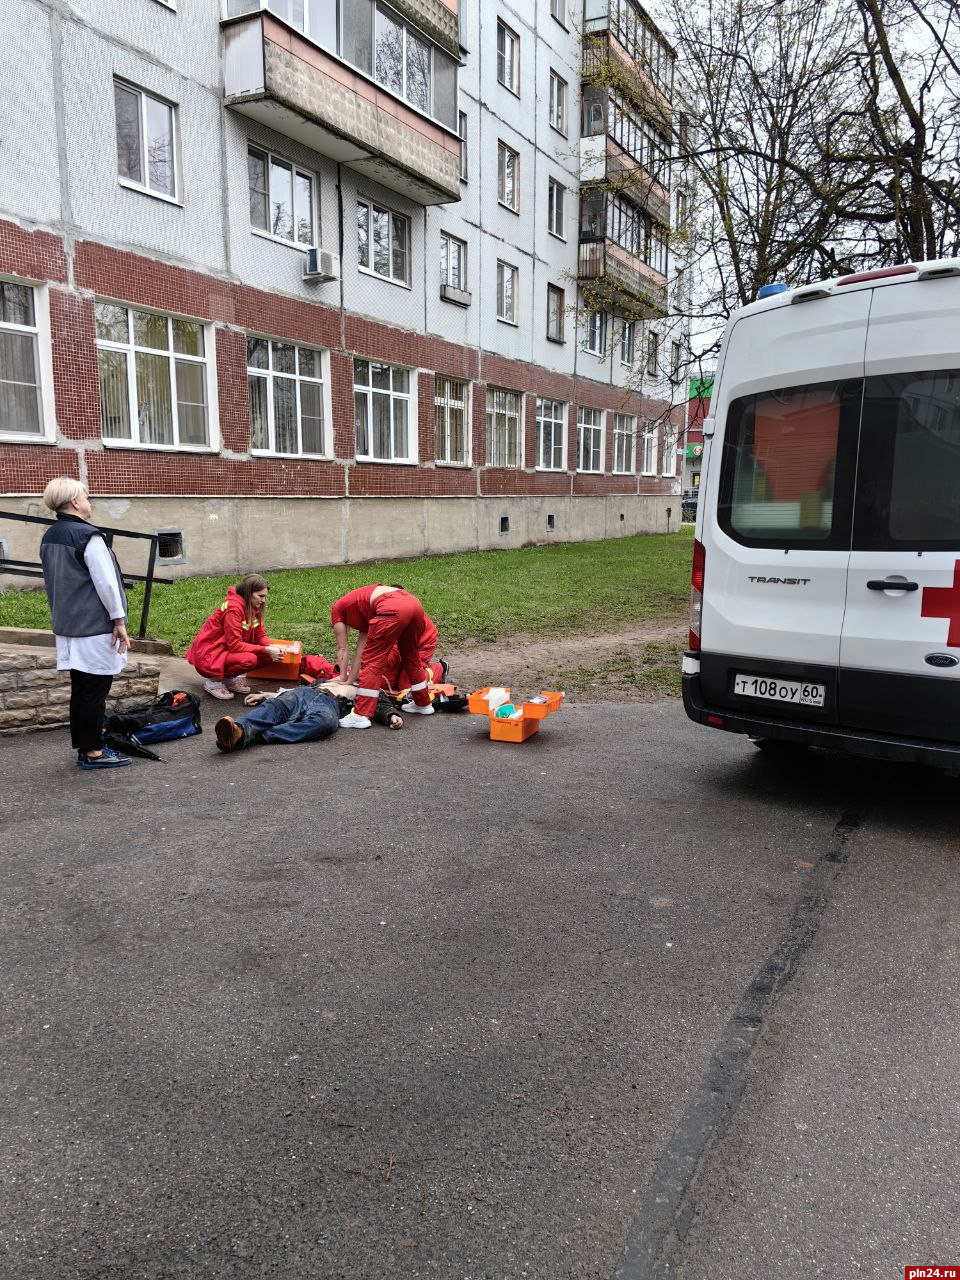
(775, 690)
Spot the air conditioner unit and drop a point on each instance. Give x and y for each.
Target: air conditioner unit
(322, 267)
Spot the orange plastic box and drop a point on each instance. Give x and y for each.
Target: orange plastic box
(504, 730)
(287, 668)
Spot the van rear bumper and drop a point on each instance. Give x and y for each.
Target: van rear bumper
(855, 742)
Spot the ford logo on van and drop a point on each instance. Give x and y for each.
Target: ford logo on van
(941, 660)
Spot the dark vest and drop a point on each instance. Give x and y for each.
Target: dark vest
(75, 607)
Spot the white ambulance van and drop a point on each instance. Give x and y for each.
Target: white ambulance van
(826, 571)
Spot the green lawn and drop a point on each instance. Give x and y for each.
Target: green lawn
(578, 587)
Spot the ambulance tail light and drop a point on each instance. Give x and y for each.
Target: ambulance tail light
(696, 594)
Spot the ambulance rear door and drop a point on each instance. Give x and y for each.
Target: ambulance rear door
(778, 508)
(900, 649)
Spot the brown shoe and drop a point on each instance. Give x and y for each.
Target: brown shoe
(229, 734)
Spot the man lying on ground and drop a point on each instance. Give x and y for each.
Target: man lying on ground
(304, 714)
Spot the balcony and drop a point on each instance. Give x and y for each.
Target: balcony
(622, 43)
(603, 160)
(638, 287)
(275, 74)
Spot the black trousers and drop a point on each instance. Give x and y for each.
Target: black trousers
(88, 698)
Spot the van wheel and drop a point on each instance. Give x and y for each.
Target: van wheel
(779, 746)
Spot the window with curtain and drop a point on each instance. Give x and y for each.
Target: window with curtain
(154, 374)
(382, 412)
(285, 388)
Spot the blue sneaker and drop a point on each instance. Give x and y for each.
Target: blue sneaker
(109, 760)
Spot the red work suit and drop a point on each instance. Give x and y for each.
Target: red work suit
(227, 645)
(395, 620)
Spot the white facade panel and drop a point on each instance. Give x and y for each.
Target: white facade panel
(255, 258)
(366, 293)
(188, 230)
(185, 39)
(29, 168)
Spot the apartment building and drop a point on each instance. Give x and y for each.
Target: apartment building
(313, 281)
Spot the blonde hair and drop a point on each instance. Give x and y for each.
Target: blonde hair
(62, 490)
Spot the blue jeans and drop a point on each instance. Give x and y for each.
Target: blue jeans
(297, 715)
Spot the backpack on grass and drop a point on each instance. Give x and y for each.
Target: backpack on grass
(174, 715)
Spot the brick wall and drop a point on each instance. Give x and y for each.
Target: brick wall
(233, 309)
(35, 695)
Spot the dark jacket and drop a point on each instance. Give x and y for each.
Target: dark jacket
(75, 607)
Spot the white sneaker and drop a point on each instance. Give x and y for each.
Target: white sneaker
(418, 711)
(217, 689)
(353, 721)
(236, 684)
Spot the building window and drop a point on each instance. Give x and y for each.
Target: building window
(626, 225)
(558, 102)
(383, 242)
(648, 462)
(555, 309)
(558, 10)
(21, 398)
(381, 397)
(507, 277)
(504, 439)
(675, 359)
(555, 208)
(508, 58)
(409, 66)
(628, 340)
(551, 435)
(285, 386)
(590, 440)
(508, 177)
(451, 403)
(281, 198)
(154, 377)
(669, 451)
(682, 210)
(453, 261)
(462, 131)
(624, 432)
(653, 354)
(655, 249)
(596, 332)
(146, 140)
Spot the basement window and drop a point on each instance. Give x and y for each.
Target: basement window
(504, 524)
(170, 546)
(551, 522)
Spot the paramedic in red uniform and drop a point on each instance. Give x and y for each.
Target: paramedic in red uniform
(233, 641)
(384, 617)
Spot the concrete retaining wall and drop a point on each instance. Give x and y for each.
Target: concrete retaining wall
(35, 695)
(237, 535)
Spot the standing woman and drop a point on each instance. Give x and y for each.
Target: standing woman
(89, 609)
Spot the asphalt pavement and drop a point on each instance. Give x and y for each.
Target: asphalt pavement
(627, 1000)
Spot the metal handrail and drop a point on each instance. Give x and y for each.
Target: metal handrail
(33, 568)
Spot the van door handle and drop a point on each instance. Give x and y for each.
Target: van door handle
(888, 584)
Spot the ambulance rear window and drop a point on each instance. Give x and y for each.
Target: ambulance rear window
(786, 470)
(909, 480)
